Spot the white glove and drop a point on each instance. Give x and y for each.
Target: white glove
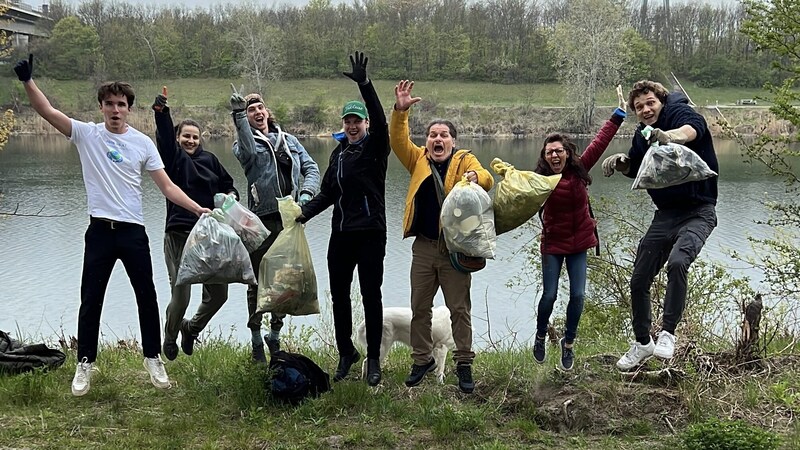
(619, 162)
(665, 137)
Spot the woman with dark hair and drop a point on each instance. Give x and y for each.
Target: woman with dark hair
(200, 175)
(568, 228)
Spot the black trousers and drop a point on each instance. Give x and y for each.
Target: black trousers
(346, 250)
(675, 238)
(105, 243)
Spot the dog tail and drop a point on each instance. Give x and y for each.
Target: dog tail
(361, 337)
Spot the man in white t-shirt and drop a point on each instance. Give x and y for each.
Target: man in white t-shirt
(113, 157)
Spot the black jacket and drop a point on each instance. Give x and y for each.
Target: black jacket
(200, 175)
(355, 181)
(675, 113)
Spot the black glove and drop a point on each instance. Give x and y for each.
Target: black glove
(24, 69)
(161, 100)
(301, 219)
(359, 63)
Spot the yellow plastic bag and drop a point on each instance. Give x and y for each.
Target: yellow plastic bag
(286, 280)
(519, 195)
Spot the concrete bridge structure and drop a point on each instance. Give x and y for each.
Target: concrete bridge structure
(21, 21)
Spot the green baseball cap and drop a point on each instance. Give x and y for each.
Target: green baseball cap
(355, 108)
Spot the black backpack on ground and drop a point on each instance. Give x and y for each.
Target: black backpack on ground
(16, 357)
(296, 377)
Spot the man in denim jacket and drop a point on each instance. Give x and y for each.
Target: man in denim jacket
(276, 165)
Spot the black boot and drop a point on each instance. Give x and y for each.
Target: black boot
(418, 372)
(187, 338)
(344, 365)
(373, 372)
(464, 373)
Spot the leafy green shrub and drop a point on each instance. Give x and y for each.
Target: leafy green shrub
(715, 434)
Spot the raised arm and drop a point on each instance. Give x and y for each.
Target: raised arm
(377, 118)
(245, 146)
(165, 131)
(40, 104)
(399, 136)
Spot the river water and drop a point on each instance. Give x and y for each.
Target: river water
(41, 256)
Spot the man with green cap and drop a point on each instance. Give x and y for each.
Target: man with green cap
(355, 184)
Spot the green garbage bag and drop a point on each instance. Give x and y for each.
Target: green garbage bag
(519, 195)
(287, 282)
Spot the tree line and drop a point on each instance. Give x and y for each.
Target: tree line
(502, 41)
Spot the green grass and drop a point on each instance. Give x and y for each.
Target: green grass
(218, 401)
(79, 95)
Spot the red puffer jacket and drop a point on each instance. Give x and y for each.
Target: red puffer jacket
(567, 226)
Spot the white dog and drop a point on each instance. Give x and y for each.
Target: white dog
(397, 328)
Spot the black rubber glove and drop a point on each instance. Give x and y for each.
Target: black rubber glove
(161, 100)
(24, 69)
(359, 63)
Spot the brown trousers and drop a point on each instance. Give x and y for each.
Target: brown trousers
(431, 269)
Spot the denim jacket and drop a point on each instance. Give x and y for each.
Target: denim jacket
(256, 153)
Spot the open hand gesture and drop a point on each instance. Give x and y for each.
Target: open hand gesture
(402, 94)
(161, 100)
(237, 101)
(359, 63)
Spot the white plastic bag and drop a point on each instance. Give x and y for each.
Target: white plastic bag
(286, 280)
(468, 221)
(519, 195)
(214, 254)
(244, 222)
(669, 165)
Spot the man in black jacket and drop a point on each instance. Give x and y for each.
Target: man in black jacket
(355, 184)
(685, 218)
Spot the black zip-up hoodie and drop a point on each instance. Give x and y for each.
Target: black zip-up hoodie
(200, 175)
(676, 113)
(355, 181)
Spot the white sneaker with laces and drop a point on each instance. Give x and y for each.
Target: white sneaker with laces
(158, 375)
(665, 345)
(637, 354)
(82, 380)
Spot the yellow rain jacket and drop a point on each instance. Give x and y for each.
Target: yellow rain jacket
(415, 159)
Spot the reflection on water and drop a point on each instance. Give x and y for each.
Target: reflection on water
(42, 256)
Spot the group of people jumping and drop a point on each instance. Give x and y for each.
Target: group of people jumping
(114, 156)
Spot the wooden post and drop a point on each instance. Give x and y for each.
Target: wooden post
(747, 348)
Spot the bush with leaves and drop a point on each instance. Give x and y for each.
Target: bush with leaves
(715, 434)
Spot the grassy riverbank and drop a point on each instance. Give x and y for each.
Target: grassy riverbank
(311, 107)
(217, 401)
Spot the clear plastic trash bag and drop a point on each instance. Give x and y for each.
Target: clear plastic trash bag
(669, 165)
(519, 195)
(286, 280)
(468, 221)
(243, 221)
(214, 254)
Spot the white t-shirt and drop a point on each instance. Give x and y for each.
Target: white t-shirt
(112, 166)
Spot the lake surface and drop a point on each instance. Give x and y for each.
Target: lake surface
(41, 257)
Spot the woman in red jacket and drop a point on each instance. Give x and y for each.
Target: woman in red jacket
(568, 229)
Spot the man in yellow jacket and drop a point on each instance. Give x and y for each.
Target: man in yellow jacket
(430, 266)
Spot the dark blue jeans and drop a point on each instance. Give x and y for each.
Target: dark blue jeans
(551, 271)
(107, 242)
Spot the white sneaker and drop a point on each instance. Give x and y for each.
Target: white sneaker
(158, 375)
(636, 355)
(665, 345)
(82, 380)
